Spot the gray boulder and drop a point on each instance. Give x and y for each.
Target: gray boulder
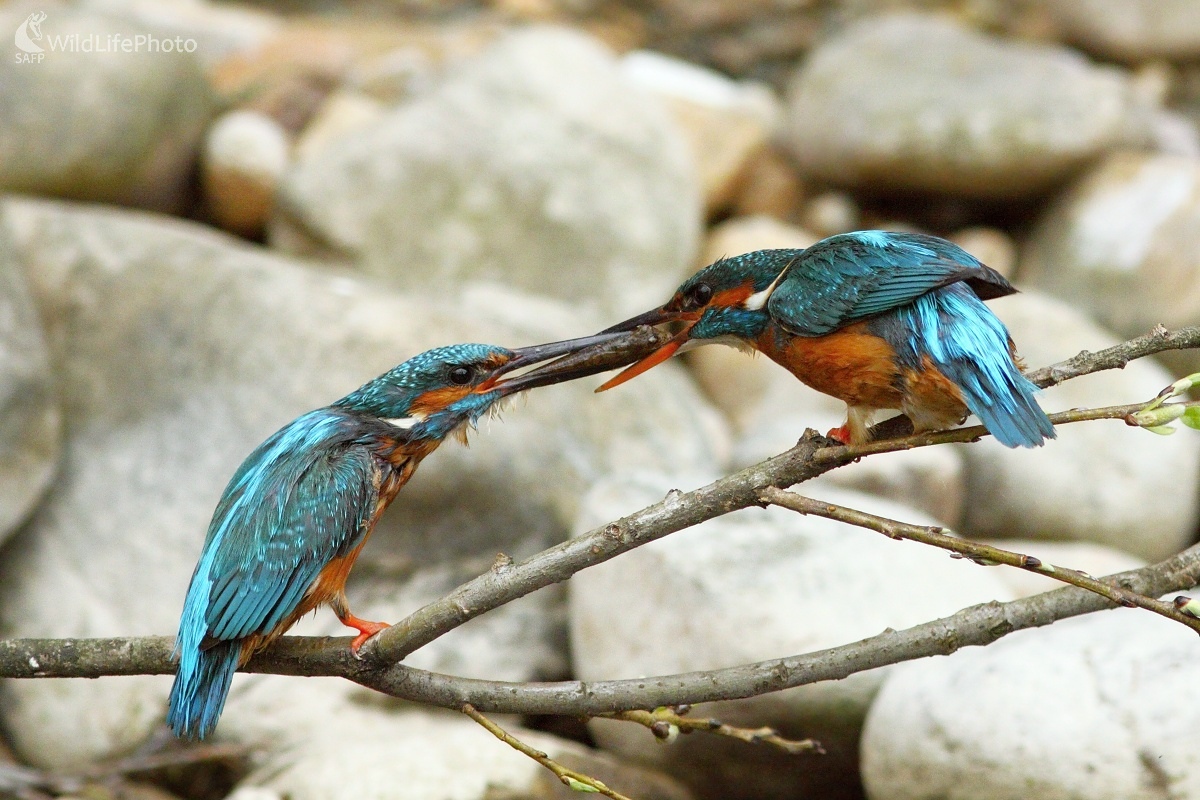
(1094, 707)
(916, 102)
(1121, 243)
(30, 420)
(1131, 30)
(537, 165)
(108, 125)
(746, 587)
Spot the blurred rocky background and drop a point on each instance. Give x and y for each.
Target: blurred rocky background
(250, 209)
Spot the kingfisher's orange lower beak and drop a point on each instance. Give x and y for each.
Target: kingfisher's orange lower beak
(649, 362)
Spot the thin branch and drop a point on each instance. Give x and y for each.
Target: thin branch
(666, 723)
(571, 779)
(811, 457)
(980, 553)
(1117, 356)
(324, 656)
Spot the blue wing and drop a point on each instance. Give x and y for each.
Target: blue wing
(853, 276)
(300, 500)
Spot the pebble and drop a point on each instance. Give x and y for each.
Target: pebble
(245, 156)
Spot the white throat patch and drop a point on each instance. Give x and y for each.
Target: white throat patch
(405, 423)
(756, 301)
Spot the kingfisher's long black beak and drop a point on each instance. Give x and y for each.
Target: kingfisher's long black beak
(653, 317)
(576, 358)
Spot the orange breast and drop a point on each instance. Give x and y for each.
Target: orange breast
(850, 364)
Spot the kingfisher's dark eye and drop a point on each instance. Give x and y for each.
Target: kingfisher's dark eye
(700, 294)
(461, 375)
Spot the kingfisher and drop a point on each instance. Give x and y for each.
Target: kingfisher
(297, 512)
(879, 320)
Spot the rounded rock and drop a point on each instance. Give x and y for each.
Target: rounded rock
(1121, 244)
(974, 116)
(30, 419)
(1131, 30)
(1092, 707)
(128, 134)
(245, 155)
(535, 164)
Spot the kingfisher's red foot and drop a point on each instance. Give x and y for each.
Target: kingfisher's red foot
(366, 629)
(841, 434)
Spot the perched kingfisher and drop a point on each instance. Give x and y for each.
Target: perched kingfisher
(878, 320)
(299, 509)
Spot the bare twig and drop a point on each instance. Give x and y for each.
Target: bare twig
(302, 655)
(1117, 356)
(665, 722)
(570, 778)
(1085, 363)
(980, 553)
(811, 457)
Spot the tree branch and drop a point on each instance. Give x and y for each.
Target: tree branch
(505, 582)
(1117, 356)
(325, 656)
(576, 781)
(983, 554)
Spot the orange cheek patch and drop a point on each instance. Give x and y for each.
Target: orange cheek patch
(436, 399)
(732, 297)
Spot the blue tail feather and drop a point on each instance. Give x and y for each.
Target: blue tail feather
(205, 670)
(971, 347)
(200, 688)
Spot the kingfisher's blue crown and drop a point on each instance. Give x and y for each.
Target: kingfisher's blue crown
(392, 394)
(761, 267)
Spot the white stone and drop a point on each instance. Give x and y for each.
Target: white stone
(1097, 707)
(1121, 243)
(687, 81)
(250, 143)
(1102, 481)
(30, 419)
(103, 125)
(1133, 30)
(535, 164)
(245, 155)
(973, 116)
(751, 586)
